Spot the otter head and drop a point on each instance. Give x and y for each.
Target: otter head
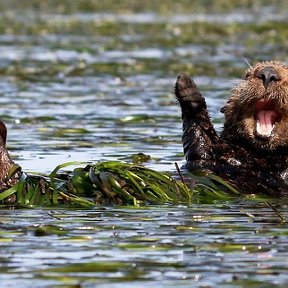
(257, 111)
(8, 177)
(3, 133)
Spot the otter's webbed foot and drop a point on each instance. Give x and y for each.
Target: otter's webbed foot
(199, 135)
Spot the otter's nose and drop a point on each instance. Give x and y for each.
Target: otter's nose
(268, 75)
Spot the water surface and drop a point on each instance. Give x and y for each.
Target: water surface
(94, 81)
(203, 246)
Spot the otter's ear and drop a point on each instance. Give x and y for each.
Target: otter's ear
(3, 132)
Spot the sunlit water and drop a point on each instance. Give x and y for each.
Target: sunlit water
(94, 96)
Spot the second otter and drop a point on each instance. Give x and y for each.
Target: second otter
(9, 176)
(252, 150)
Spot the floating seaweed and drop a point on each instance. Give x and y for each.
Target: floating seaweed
(118, 183)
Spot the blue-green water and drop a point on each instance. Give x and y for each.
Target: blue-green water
(91, 81)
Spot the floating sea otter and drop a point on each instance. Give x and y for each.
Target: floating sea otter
(8, 175)
(252, 150)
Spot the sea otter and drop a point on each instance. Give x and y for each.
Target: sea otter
(9, 172)
(252, 150)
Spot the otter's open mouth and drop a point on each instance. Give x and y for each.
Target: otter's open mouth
(266, 116)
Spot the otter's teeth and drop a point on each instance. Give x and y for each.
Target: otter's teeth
(265, 122)
(264, 130)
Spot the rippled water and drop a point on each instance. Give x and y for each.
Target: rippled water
(97, 84)
(201, 246)
(56, 79)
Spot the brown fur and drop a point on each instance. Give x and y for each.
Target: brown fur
(252, 161)
(6, 163)
(240, 108)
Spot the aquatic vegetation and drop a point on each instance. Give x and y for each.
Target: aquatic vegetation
(117, 183)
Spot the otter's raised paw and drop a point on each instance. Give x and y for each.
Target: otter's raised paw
(188, 94)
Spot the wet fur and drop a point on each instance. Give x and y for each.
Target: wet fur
(6, 164)
(251, 164)
(239, 109)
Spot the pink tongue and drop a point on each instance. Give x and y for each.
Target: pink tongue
(265, 122)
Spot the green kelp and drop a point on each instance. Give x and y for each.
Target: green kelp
(119, 183)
